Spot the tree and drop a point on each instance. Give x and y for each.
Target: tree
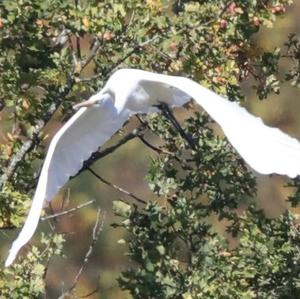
(54, 52)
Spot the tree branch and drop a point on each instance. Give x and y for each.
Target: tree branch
(98, 155)
(117, 187)
(121, 60)
(93, 53)
(35, 139)
(28, 145)
(72, 210)
(90, 293)
(139, 46)
(98, 227)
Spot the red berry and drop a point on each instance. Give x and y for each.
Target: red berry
(223, 24)
(231, 8)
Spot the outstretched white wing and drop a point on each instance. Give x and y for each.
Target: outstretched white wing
(88, 129)
(267, 150)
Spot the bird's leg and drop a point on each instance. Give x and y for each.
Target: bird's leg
(166, 111)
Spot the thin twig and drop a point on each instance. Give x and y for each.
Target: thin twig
(143, 122)
(98, 155)
(121, 60)
(51, 210)
(35, 139)
(156, 149)
(68, 211)
(148, 144)
(92, 54)
(76, 60)
(65, 199)
(96, 232)
(166, 111)
(90, 293)
(78, 47)
(163, 151)
(18, 157)
(28, 145)
(149, 41)
(116, 187)
(130, 20)
(98, 227)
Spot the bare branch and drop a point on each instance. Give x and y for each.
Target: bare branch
(77, 37)
(63, 213)
(92, 54)
(35, 139)
(98, 227)
(78, 47)
(130, 20)
(154, 148)
(121, 60)
(117, 187)
(90, 293)
(15, 160)
(98, 155)
(65, 199)
(158, 149)
(139, 46)
(27, 146)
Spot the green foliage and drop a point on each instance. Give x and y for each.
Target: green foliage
(213, 173)
(13, 208)
(176, 251)
(187, 259)
(293, 52)
(26, 278)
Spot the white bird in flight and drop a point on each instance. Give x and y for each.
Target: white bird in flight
(130, 91)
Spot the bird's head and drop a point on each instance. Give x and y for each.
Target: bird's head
(95, 100)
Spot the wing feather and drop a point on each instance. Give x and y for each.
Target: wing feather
(88, 129)
(267, 150)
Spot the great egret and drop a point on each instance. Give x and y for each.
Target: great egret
(129, 91)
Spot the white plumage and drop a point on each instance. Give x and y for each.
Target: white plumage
(267, 150)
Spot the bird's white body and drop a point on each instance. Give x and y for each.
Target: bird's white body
(129, 91)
